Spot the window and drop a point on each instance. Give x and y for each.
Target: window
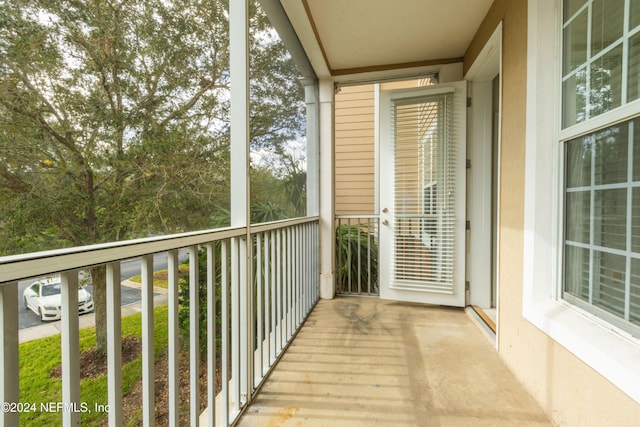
(558, 173)
(600, 73)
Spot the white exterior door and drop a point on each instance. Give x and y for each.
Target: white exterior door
(422, 194)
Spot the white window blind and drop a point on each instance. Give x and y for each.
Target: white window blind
(424, 191)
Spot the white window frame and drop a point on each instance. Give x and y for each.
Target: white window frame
(607, 349)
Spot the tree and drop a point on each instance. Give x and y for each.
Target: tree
(114, 120)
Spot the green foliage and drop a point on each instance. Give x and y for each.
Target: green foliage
(353, 241)
(184, 300)
(39, 357)
(114, 117)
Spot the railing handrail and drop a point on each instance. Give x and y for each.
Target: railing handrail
(17, 267)
(356, 216)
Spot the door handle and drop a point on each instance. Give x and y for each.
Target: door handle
(385, 222)
(385, 210)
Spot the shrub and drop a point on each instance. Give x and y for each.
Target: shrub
(353, 242)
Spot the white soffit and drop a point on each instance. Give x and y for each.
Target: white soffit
(356, 34)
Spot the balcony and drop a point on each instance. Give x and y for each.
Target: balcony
(356, 360)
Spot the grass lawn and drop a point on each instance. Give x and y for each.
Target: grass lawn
(38, 359)
(160, 277)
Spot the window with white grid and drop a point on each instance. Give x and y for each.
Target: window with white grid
(601, 137)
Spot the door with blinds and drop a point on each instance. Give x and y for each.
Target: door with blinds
(422, 194)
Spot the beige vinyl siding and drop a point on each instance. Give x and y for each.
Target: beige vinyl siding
(354, 150)
(354, 146)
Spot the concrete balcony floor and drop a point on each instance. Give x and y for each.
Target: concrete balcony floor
(368, 362)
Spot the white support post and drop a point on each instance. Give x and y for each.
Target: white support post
(174, 345)
(9, 365)
(148, 386)
(240, 195)
(194, 337)
(327, 189)
(114, 344)
(313, 152)
(70, 349)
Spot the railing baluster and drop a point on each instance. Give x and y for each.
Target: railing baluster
(211, 333)
(114, 344)
(279, 282)
(70, 348)
(174, 378)
(194, 337)
(246, 311)
(274, 302)
(224, 284)
(289, 278)
(148, 373)
(9, 362)
(368, 255)
(349, 259)
(267, 300)
(359, 259)
(235, 323)
(259, 307)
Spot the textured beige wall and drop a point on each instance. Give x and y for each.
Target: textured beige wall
(571, 393)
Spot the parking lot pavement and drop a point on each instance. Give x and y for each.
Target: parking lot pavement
(88, 320)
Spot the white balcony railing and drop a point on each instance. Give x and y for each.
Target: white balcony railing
(267, 288)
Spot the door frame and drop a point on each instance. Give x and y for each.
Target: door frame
(486, 67)
(459, 129)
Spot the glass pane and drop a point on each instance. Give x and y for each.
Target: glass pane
(635, 221)
(633, 80)
(574, 102)
(578, 214)
(277, 112)
(634, 15)
(141, 90)
(610, 218)
(607, 18)
(634, 308)
(612, 154)
(606, 82)
(575, 43)
(571, 7)
(609, 278)
(579, 162)
(576, 272)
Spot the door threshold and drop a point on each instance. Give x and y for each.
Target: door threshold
(483, 321)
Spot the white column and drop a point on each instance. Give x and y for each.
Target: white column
(327, 189)
(240, 202)
(313, 154)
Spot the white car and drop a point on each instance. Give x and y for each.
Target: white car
(44, 298)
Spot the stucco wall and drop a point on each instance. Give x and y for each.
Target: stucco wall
(570, 392)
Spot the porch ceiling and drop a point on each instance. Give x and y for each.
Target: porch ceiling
(355, 36)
